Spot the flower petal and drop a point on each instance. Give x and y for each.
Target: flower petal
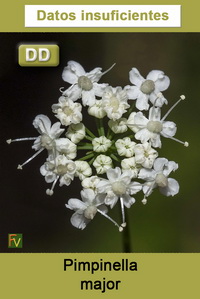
(87, 195)
(142, 102)
(76, 204)
(79, 221)
(171, 166)
(147, 174)
(143, 135)
(88, 97)
(72, 71)
(135, 77)
(169, 129)
(159, 164)
(132, 92)
(154, 113)
(128, 200)
(172, 188)
(42, 123)
(113, 174)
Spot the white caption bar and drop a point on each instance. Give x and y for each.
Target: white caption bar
(102, 15)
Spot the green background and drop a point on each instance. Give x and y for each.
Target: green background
(165, 224)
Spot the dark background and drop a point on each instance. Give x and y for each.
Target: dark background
(165, 224)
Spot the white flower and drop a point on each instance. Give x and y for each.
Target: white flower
(76, 132)
(83, 169)
(46, 139)
(118, 185)
(91, 183)
(125, 147)
(67, 111)
(147, 89)
(102, 163)
(130, 122)
(150, 129)
(101, 144)
(58, 168)
(83, 84)
(145, 154)
(159, 177)
(48, 134)
(118, 126)
(86, 209)
(97, 110)
(131, 165)
(115, 102)
(66, 147)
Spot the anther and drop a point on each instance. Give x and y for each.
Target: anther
(9, 141)
(123, 224)
(121, 229)
(49, 192)
(144, 201)
(186, 144)
(182, 97)
(19, 167)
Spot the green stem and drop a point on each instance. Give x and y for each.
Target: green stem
(114, 157)
(88, 137)
(101, 127)
(90, 133)
(98, 126)
(86, 157)
(126, 240)
(85, 147)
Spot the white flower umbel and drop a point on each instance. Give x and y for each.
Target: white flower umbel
(84, 85)
(76, 132)
(118, 126)
(145, 154)
(46, 139)
(67, 111)
(58, 168)
(131, 165)
(147, 89)
(86, 209)
(102, 163)
(97, 109)
(83, 169)
(119, 186)
(115, 102)
(150, 129)
(158, 177)
(101, 144)
(125, 147)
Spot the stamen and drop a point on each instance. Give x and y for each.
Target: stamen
(148, 191)
(50, 191)
(31, 158)
(109, 218)
(185, 143)
(182, 97)
(108, 69)
(9, 141)
(123, 212)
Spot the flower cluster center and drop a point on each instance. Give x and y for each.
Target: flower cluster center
(85, 83)
(90, 212)
(114, 103)
(161, 180)
(119, 187)
(147, 86)
(47, 142)
(154, 126)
